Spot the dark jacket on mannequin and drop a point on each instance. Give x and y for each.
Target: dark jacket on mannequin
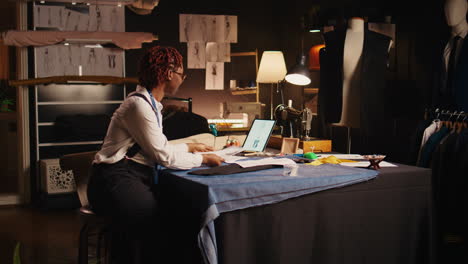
(372, 88)
(455, 97)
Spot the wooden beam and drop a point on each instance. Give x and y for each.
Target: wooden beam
(75, 79)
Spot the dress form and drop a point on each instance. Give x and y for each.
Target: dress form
(455, 15)
(454, 91)
(353, 48)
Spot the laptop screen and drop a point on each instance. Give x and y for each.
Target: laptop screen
(258, 135)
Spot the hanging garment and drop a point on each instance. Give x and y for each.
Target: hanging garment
(430, 146)
(416, 141)
(431, 129)
(372, 84)
(451, 90)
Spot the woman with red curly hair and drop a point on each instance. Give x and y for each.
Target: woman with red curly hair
(121, 185)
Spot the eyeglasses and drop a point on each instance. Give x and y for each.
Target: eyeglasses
(182, 75)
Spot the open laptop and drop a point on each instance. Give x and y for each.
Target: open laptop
(258, 136)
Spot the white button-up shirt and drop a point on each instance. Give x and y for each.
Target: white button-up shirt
(135, 122)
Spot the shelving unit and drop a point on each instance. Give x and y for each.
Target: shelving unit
(251, 91)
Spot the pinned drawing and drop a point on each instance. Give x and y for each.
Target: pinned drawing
(214, 76)
(70, 58)
(107, 18)
(230, 32)
(196, 55)
(47, 17)
(192, 28)
(207, 28)
(79, 18)
(218, 52)
(47, 59)
(113, 59)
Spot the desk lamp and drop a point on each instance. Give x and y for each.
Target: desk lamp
(272, 70)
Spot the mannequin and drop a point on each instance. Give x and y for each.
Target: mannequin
(353, 46)
(352, 78)
(454, 92)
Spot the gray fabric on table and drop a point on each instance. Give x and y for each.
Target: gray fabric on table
(213, 195)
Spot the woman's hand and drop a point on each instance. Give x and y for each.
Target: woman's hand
(212, 160)
(198, 147)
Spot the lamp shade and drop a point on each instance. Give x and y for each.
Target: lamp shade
(314, 57)
(272, 67)
(299, 74)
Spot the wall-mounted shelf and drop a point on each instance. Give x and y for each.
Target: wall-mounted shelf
(74, 79)
(244, 92)
(311, 90)
(255, 55)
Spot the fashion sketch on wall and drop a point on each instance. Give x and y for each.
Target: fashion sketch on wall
(218, 52)
(59, 60)
(196, 55)
(98, 61)
(191, 28)
(79, 18)
(227, 29)
(214, 76)
(70, 59)
(207, 28)
(47, 61)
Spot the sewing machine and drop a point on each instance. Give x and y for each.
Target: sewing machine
(252, 109)
(293, 122)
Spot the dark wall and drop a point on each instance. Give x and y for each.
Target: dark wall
(421, 35)
(256, 30)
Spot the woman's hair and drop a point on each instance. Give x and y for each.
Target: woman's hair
(155, 64)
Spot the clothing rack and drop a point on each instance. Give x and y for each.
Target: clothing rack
(446, 115)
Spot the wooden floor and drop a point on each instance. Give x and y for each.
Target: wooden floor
(45, 236)
(51, 237)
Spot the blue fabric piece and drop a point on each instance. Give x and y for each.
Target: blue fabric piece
(214, 195)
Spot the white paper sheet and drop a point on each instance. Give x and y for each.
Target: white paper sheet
(214, 79)
(342, 156)
(265, 161)
(366, 164)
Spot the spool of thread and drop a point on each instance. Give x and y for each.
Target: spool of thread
(310, 155)
(214, 130)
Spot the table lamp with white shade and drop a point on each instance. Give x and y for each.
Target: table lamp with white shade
(272, 70)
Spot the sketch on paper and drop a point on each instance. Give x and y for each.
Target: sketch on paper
(218, 52)
(47, 61)
(89, 61)
(210, 27)
(59, 60)
(196, 55)
(230, 29)
(113, 60)
(71, 20)
(107, 18)
(192, 28)
(226, 29)
(70, 58)
(214, 76)
(47, 17)
(207, 28)
(80, 18)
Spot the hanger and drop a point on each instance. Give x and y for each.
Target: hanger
(437, 113)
